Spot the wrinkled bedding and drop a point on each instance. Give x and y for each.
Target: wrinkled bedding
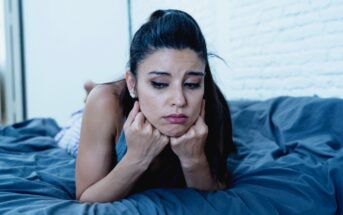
(289, 160)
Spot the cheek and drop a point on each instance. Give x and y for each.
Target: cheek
(149, 106)
(147, 109)
(195, 110)
(195, 102)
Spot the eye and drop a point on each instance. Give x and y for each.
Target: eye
(192, 85)
(158, 85)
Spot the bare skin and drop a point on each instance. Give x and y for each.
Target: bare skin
(88, 86)
(98, 177)
(96, 147)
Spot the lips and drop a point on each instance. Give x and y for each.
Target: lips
(176, 118)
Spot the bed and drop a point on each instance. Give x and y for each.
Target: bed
(289, 160)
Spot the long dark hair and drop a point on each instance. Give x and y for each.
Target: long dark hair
(177, 30)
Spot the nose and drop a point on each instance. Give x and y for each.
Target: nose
(178, 97)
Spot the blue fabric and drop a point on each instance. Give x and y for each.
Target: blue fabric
(121, 146)
(289, 161)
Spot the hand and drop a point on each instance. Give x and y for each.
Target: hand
(190, 146)
(144, 142)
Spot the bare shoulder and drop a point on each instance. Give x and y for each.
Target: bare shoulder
(107, 92)
(103, 104)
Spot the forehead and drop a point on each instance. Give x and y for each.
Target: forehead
(173, 61)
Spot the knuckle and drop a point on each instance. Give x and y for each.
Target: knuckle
(125, 126)
(148, 129)
(155, 132)
(145, 131)
(191, 132)
(165, 139)
(135, 128)
(138, 116)
(203, 130)
(156, 135)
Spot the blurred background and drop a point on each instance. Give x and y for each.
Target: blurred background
(271, 48)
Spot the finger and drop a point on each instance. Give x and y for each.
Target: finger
(139, 120)
(156, 132)
(147, 127)
(133, 113)
(191, 132)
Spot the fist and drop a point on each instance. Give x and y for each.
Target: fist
(144, 142)
(190, 146)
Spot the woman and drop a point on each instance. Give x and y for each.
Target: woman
(166, 125)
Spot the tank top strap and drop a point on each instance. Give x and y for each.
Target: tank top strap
(121, 146)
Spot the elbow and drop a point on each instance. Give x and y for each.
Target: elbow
(88, 197)
(217, 187)
(84, 200)
(221, 186)
(78, 195)
(82, 197)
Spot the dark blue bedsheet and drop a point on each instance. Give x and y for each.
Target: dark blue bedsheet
(289, 161)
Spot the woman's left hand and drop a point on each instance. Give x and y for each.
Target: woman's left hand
(190, 146)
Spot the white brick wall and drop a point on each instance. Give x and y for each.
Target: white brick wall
(282, 48)
(272, 47)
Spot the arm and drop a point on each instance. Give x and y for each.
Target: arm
(115, 185)
(198, 175)
(190, 150)
(96, 179)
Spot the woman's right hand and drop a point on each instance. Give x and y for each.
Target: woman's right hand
(143, 141)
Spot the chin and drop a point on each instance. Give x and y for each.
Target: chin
(173, 132)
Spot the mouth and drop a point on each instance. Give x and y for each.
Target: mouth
(176, 118)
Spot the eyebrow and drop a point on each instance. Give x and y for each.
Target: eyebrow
(195, 73)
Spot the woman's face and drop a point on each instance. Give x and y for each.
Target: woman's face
(170, 89)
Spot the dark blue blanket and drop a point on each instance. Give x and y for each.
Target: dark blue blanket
(289, 161)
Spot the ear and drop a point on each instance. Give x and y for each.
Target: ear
(130, 81)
